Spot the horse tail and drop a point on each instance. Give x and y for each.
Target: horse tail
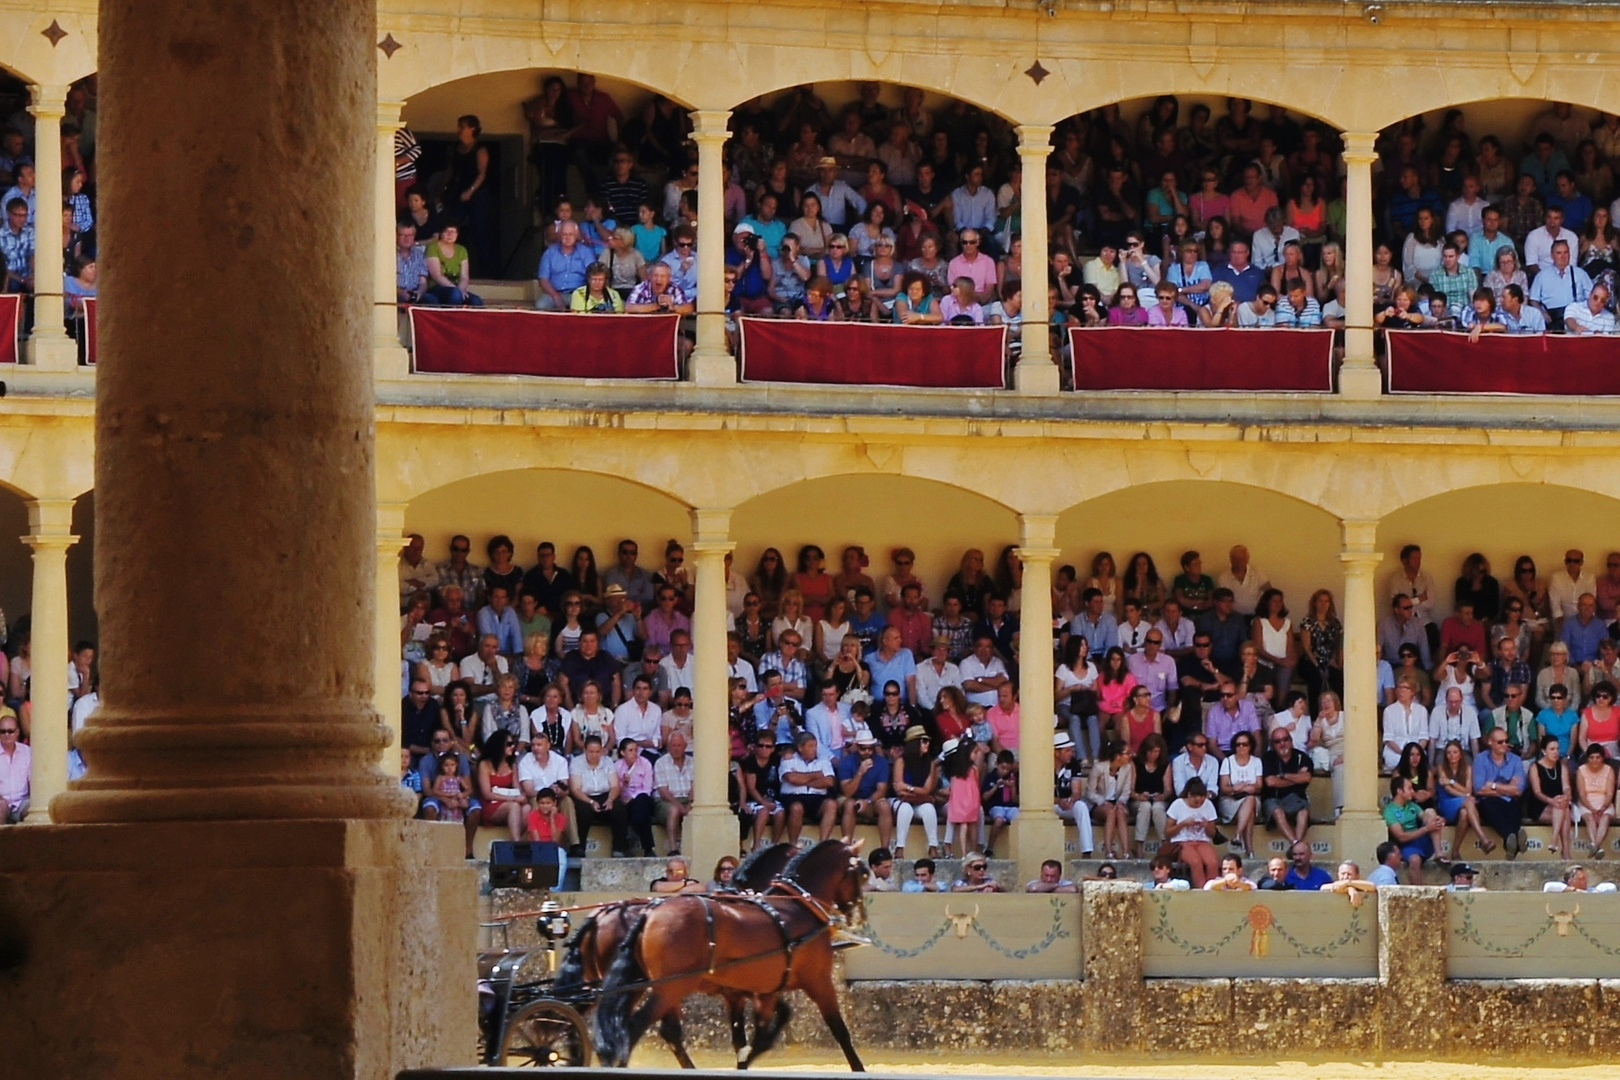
(614, 1040)
(572, 972)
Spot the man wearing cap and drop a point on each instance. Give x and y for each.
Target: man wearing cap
(863, 788)
(1462, 879)
(937, 672)
(1068, 790)
(840, 203)
(807, 789)
(750, 258)
(619, 628)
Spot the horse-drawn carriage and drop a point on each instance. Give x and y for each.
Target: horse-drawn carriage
(633, 963)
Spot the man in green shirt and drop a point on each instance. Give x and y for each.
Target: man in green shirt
(1454, 280)
(1411, 826)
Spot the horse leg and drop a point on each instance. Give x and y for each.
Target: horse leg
(670, 1029)
(771, 1015)
(736, 1007)
(826, 998)
(654, 1007)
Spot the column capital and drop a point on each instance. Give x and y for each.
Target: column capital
(1360, 537)
(391, 517)
(711, 529)
(51, 517)
(1358, 147)
(48, 102)
(389, 116)
(1034, 138)
(1037, 532)
(710, 125)
(1028, 555)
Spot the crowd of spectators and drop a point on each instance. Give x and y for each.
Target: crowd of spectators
(912, 215)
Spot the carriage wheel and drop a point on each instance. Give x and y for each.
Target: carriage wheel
(546, 1034)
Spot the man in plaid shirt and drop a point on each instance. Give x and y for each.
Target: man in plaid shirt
(17, 244)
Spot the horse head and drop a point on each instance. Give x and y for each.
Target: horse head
(831, 872)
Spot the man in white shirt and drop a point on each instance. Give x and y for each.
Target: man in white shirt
(540, 769)
(1246, 581)
(1405, 721)
(1456, 719)
(1269, 242)
(1538, 242)
(738, 668)
(807, 789)
(1467, 211)
(936, 673)
(1591, 316)
(1132, 632)
(673, 777)
(1178, 631)
(678, 669)
(1412, 580)
(838, 199)
(1261, 311)
(483, 667)
(1197, 761)
(640, 718)
(828, 720)
(983, 672)
(1566, 587)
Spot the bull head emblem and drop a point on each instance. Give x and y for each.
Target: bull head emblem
(1563, 920)
(962, 922)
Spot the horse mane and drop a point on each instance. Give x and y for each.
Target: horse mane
(747, 868)
(800, 863)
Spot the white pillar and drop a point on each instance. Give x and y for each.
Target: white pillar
(1361, 827)
(710, 830)
(1036, 373)
(389, 356)
(1038, 831)
(50, 527)
(711, 364)
(385, 696)
(48, 345)
(1359, 376)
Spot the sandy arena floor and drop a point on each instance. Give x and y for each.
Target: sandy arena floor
(903, 1063)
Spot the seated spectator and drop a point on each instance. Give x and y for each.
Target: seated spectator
(17, 246)
(1068, 790)
(595, 297)
(922, 878)
(1259, 310)
(1230, 877)
(673, 777)
(1191, 820)
(1591, 316)
(1246, 279)
(820, 304)
(1302, 876)
(1270, 243)
(1168, 874)
(449, 270)
(880, 877)
(677, 878)
(1499, 782)
(16, 771)
(961, 307)
(808, 789)
(976, 876)
(1412, 827)
(1297, 309)
(1389, 864)
(1287, 784)
(1167, 312)
(1276, 876)
(1051, 880)
(1519, 316)
(563, 269)
(659, 294)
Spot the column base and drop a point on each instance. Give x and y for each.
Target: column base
(390, 360)
(55, 353)
(1360, 380)
(708, 834)
(1034, 377)
(1037, 835)
(711, 367)
(321, 950)
(1360, 833)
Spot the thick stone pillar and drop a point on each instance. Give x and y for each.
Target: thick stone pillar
(50, 528)
(1036, 373)
(1112, 932)
(1413, 935)
(390, 358)
(1359, 377)
(711, 364)
(385, 697)
(233, 821)
(710, 830)
(1361, 826)
(1038, 830)
(48, 345)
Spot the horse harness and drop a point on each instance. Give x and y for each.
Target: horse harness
(790, 944)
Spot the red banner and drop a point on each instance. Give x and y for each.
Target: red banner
(88, 329)
(1170, 358)
(494, 341)
(873, 354)
(1443, 363)
(10, 327)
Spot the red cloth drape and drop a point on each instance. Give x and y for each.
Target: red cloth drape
(871, 354)
(1443, 363)
(1123, 358)
(488, 341)
(89, 325)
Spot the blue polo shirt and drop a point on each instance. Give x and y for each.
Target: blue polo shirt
(565, 271)
(1245, 283)
(1583, 640)
(897, 670)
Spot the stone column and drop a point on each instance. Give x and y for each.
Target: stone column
(1361, 826)
(385, 697)
(233, 767)
(1112, 932)
(48, 345)
(1036, 372)
(1359, 377)
(710, 830)
(50, 527)
(1039, 831)
(1415, 1014)
(711, 364)
(390, 358)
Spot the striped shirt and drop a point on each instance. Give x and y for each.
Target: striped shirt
(406, 152)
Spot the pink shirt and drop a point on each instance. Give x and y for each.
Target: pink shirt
(1178, 316)
(1249, 214)
(1004, 725)
(635, 781)
(982, 269)
(15, 773)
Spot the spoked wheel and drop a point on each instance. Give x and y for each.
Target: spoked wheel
(546, 1034)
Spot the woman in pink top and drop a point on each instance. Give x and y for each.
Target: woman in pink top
(1167, 312)
(636, 789)
(1207, 202)
(1114, 685)
(1126, 311)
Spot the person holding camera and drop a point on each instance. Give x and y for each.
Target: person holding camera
(752, 263)
(659, 295)
(594, 297)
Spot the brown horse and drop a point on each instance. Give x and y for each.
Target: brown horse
(591, 951)
(758, 946)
